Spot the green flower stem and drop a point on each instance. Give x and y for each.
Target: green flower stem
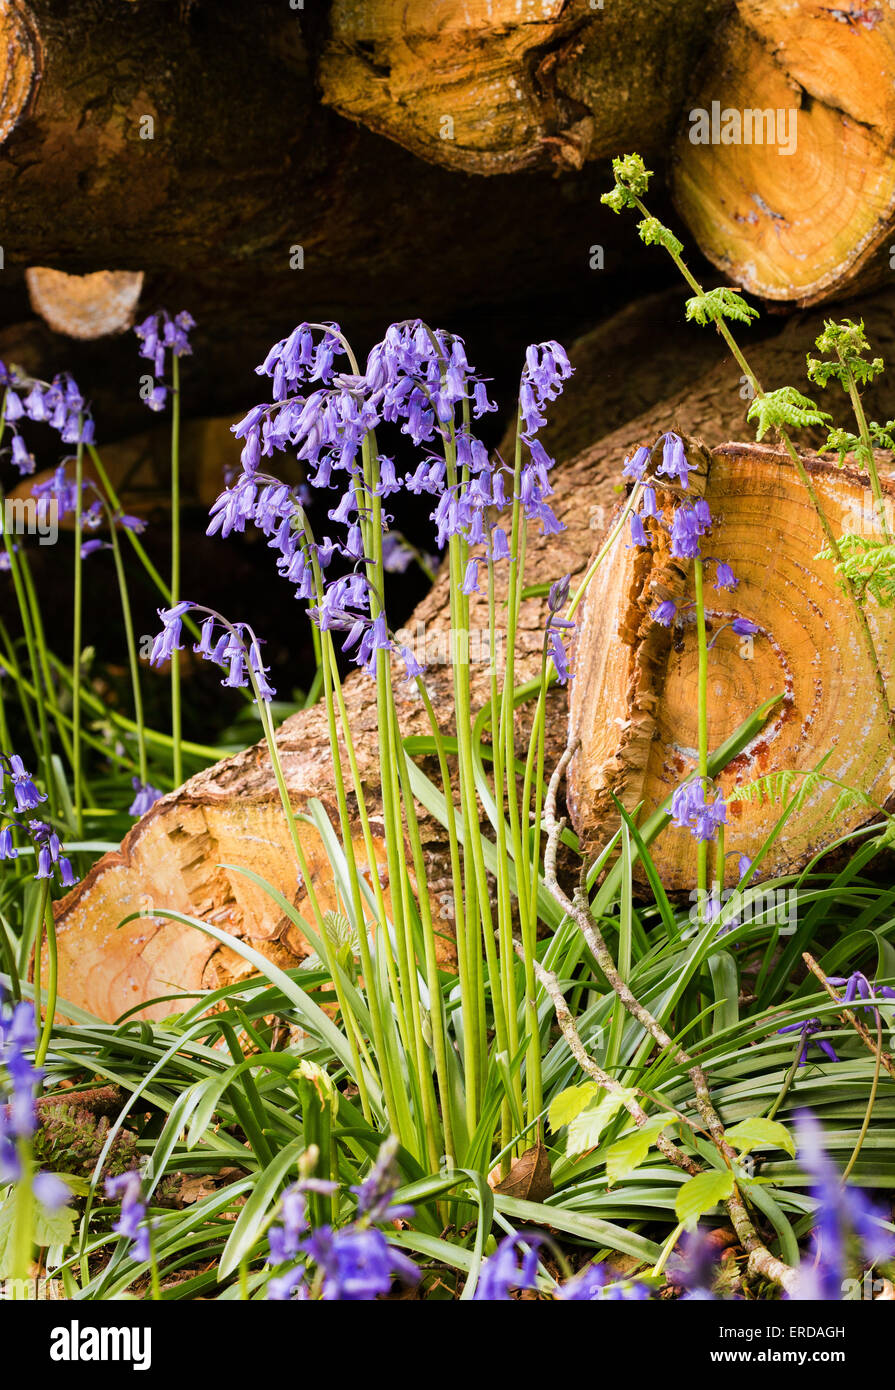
(415, 1042)
(42, 648)
(176, 717)
(534, 775)
(393, 1089)
(23, 1242)
(38, 953)
(504, 897)
(788, 1079)
(46, 911)
(832, 543)
(133, 661)
(276, 763)
(468, 1000)
(25, 691)
(867, 443)
(34, 662)
(703, 727)
(77, 618)
(871, 1099)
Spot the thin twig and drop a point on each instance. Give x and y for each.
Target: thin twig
(760, 1261)
(596, 1073)
(846, 1014)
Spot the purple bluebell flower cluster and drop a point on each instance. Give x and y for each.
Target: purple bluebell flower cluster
(61, 492)
(691, 810)
(416, 378)
(808, 1036)
(513, 1266)
(132, 1222)
(355, 1263)
(234, 647)
(845, 1217)
(160, 334)
(48, 850)
(19, 1080)
(690, 522)
(58, 403)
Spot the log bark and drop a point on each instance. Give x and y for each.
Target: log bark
(795, 226)
(635, 700)
(510, 86)
(228, 815)
(522, 86)
(252, 205)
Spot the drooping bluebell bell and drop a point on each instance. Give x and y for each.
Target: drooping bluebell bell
(686, 530)
(664, 612)
(724, 576)
(19, 1080)
(674, 462)
(357, 1263)
(744, 628)
(513, 1266)
(636, 465)
(146, 796)
(132, 1223)
(638, 534)
(49, 857)
(376, 1194)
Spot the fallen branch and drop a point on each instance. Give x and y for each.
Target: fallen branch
(848, 1017)
(760, 1260)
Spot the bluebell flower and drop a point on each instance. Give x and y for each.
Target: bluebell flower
(638, 534)
(807, 1033)
(358, 1264)
(146, 797)
(514, 1265)
(744, 628)
(637, 464)
(132, 1222)
(857, 986)
(691, 811)
(674, 458)
(664, 612)
(844, 1214)
(685, 533)
(649, 507)
(724, 576)
(375, 1195)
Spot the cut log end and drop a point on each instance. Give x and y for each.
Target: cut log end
(85, 306)
(784, 169)
(20, 64)
(634, 697)
(108, 968)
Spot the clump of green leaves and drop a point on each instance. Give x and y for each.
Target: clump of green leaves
(786, 407)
